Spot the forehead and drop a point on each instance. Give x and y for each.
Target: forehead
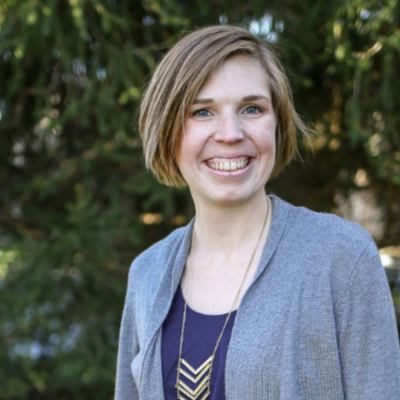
(237, 72)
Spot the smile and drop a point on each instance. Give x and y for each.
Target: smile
(223, 164)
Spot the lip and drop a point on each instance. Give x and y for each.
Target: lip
(228, 156)
(223, 160)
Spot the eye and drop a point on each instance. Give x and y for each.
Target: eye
(203, 112)
(252, 110)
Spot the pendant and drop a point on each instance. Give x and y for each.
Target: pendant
(195, 375)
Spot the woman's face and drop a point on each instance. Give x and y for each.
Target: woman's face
(227, 149)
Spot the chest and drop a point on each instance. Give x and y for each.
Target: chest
(283, 343)
(203, 336)
(218, 290)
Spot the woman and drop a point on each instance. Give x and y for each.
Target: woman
(255, 298)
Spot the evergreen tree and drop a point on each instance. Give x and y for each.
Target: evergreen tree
(76, 203)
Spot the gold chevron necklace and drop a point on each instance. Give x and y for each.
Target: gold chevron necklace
(203, 373)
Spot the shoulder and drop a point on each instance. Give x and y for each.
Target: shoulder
(327, 245)
(150, 263)
(338, 257)
(324, 230)
(162, 248)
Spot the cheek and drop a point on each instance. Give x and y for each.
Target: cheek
(268, 137)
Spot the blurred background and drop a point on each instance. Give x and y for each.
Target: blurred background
(76, 203)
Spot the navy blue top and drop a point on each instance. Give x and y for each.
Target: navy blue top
(200, 337)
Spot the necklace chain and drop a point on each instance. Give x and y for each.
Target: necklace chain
(178, 386)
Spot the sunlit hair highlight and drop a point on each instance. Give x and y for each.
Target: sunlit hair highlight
(180, 76)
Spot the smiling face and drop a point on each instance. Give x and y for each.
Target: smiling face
(227, 149)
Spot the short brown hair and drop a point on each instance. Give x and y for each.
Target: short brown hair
(180, 76)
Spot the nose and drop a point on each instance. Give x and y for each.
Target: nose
(229, 129)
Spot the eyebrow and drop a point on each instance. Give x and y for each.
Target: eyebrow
(246, 98)
(202, 101)
(256, 97)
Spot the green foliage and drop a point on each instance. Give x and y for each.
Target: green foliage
(76, 204)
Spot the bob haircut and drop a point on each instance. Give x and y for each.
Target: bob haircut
(180, 76)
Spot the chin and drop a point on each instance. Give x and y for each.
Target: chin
(232, 197)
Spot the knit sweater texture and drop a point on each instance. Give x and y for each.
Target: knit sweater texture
(316, 323)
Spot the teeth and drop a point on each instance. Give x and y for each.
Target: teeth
(228, 166)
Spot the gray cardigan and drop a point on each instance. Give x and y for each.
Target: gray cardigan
(317, 321)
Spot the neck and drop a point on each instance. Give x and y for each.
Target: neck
(224, 232)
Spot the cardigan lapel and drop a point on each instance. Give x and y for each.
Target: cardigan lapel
(151, 376)
(278, 225)
(169, 282)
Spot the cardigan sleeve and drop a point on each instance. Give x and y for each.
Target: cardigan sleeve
(367, 333)
(125, 387)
